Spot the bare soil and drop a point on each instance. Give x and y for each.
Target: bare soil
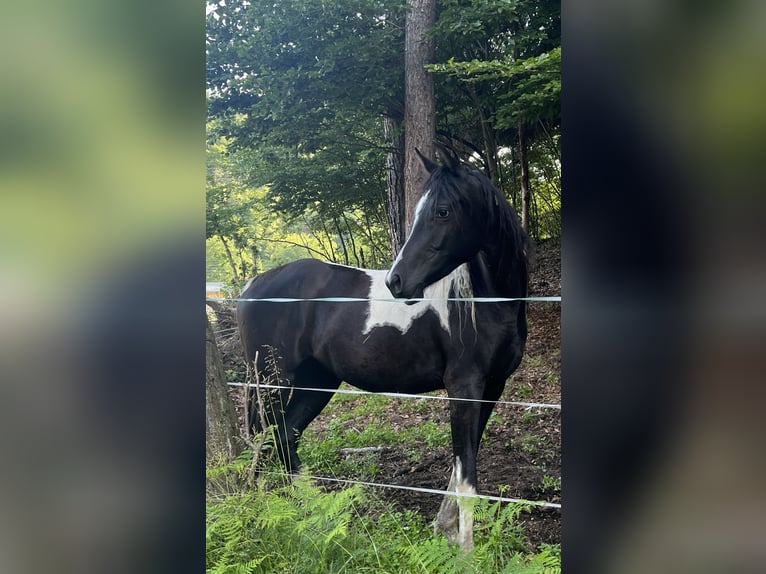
(520, 454)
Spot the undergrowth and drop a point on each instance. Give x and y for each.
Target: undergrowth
(299, 527)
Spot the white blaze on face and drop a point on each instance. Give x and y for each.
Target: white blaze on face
(418, 210)
(398, 314)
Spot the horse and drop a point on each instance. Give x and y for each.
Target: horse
(465, 243)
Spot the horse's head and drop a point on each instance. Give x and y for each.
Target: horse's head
(450, 227)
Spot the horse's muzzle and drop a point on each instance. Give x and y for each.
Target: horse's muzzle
(396, 286)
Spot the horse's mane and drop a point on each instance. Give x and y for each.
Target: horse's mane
(512, 242)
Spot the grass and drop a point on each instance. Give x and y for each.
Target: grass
(321, 449)
(551, 484)
(527, 443)
(299, 527)
(277, 526)
(429, 433)
(552, 378)
(523, 390)
(535, 361)
(530, 417)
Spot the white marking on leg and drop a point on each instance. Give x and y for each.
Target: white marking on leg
(465, 508)
(446, 520)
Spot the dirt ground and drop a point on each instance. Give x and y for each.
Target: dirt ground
(521, 448)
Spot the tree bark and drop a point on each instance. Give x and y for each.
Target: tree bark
(221, 435)
(394, 136)
(419, 114)
(526, 193)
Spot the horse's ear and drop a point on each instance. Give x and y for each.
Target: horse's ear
(448, 157)
(427, 163)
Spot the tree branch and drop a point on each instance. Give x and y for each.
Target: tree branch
(288, 242)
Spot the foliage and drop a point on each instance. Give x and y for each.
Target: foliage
(301, 527)
(252, 227)
(296, 95)
(316, 65)
(536, 83)
(498, 68)
(299, 89)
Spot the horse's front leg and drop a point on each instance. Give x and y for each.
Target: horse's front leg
(455, 517)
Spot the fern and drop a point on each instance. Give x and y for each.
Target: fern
(543, 563)
(436, 556)
(300, 527)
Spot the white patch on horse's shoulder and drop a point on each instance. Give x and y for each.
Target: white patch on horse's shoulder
(398, 314)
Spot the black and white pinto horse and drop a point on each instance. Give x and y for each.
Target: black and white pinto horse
(466, 242)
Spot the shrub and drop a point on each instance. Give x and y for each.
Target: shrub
(302, 528)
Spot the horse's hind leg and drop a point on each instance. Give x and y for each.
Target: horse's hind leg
(303, 407)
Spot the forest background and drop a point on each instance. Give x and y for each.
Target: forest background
(306, 123)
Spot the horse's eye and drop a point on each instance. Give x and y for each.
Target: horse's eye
(442, 212)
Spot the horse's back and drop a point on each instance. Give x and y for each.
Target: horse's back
(297, 279)
(288, 326)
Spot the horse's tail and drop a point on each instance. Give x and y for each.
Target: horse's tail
(265, 404)
(266, 407)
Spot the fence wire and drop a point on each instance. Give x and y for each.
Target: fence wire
(552, 299)
(402, 395)
(527, 405)
(456, 494)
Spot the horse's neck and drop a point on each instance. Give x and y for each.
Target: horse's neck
(491, 279)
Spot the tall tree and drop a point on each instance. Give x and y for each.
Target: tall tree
(394, 136)
(419, 109)
(314, 92)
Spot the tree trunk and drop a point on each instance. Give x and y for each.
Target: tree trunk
(526, 193)
(329, 240)
(221, 435)
(351, 239)
(488, 134)
(341, 239)
(377, 255)
(230, 259)
(394, 136)
(419, 126)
